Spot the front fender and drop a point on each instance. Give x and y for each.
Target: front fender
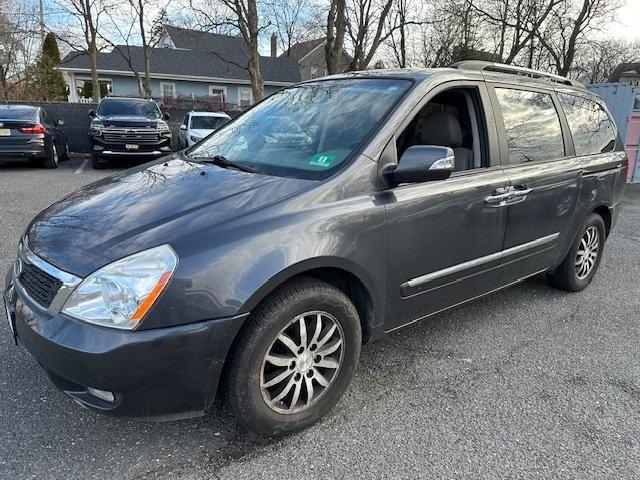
(230, 269)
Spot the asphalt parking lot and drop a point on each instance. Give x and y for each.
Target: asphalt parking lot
(528, 382)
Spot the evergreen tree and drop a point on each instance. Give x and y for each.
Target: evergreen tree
(47, 82)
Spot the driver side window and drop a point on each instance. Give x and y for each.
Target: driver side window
(451, 119)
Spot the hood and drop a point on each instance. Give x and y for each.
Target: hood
(160, 203)
(129, 121)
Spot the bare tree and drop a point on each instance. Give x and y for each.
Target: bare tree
(514, 24)
(398, 21)
(452, 36)
(244, 17)
(289, 19)
(336, 30)
(18, 39)
(405, 23)
(366, 29)
(596, 60)
(568, 25)
(87, 16)
(141, 33)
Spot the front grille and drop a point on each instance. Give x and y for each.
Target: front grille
(127, 137)
(38, 284)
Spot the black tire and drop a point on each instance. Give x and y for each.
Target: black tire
(65, 154)
(97, 162)
(242, 381)
(51, 160)
(566, 276)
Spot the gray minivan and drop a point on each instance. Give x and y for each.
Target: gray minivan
(259, 260)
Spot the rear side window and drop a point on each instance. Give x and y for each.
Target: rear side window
(592, 130)
(532, 125)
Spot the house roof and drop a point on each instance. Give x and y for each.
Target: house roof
(224, 65)
(301, 49)
(622, 69)
(184, 38)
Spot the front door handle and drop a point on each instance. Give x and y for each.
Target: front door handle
(498, 197)
(520, 191)
(518, 194)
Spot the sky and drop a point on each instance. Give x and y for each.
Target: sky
(627, 24)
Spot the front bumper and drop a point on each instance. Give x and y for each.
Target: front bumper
(162, 374)
(143, 148)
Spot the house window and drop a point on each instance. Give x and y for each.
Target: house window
(219, 92)
(314, 72)
(168, 89)
(245, 96)
(84, 87)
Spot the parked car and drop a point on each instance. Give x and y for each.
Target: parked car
(264, 268)
(33, 134)
(197, 125)
(128, 128)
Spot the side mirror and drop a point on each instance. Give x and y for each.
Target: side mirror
(61, 123)
(92, 113)
(422, 163)
(166, 116)
(183, 127)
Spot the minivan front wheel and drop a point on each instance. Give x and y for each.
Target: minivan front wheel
(294, 359)
(581, 263)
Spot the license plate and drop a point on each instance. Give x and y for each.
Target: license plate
(131, 146)
(5, 132)
(11, 318)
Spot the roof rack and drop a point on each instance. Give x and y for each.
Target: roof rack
(513, 70)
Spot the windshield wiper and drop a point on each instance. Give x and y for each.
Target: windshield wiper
(225, 162)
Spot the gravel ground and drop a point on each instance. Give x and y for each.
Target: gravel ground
(528, 382)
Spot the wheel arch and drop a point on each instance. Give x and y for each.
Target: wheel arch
(341, 274)
(605, 212)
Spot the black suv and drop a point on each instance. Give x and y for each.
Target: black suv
(261, 260)
(128, 127)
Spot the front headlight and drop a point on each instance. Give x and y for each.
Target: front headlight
(162, 125)
(194, 138)
(96, 124)
(120, 294)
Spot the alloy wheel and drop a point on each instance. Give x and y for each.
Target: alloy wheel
(54, 152)
(587, 252)
(302, 362)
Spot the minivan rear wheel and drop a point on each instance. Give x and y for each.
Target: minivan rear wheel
(294, 359)
(581, 263)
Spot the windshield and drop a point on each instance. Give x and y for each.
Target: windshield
(128, 107)
(207, 122)
(306, 131)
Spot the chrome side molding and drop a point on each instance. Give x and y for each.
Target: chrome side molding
(429, 277)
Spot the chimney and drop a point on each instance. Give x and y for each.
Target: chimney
(274, 45)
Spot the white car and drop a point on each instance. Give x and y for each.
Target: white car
(197, 125)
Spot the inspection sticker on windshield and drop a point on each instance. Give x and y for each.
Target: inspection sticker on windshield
(322, 160)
